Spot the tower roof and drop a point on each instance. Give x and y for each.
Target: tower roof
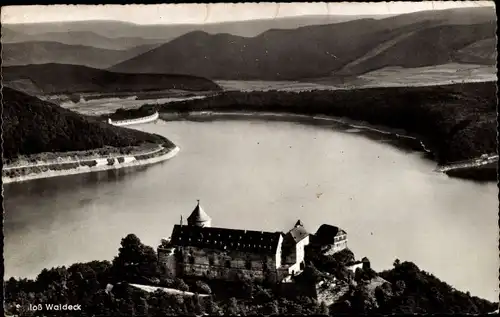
(198, 215)
(299, 224)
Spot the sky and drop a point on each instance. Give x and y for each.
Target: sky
(214, 12)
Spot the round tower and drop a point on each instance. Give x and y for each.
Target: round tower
(199, 218)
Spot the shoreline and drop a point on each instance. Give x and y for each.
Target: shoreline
(119, 162)
(445, 168)
(166, 116)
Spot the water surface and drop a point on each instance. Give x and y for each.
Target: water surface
(265, 175)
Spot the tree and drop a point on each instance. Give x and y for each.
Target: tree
(198, 310)
(203, 287)
(400, 288)
(396, 263)
(232, 307)
(142, 307)
(272, 308)
(323, 309)
(181, 285)
(135, 261)
(211, 307)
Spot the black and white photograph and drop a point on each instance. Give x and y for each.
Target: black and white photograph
(255, 158)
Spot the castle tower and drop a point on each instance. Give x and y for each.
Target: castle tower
(199, 218)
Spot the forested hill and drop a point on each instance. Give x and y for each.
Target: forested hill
(101, 288)
(62, 78)
(32, 126)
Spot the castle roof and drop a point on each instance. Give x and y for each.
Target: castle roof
(298, 233)
(198, 214)
(327, 233)
(226, 239)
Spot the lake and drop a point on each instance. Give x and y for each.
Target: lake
(259, 175)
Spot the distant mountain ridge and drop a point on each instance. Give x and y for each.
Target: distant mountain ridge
(81, 38)
(166, 32)
(25, 53)
(294, 48)
(59, 78)
(410, 40)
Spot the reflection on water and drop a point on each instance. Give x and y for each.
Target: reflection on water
(257, 175)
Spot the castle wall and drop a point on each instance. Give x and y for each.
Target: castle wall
(277, 258)
(225, 264)
(339, 244)
(299, 250)
(168, 262)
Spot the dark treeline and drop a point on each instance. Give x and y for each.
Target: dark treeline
(61, 78)
(101, 288)
(456, 122)
(125, 114)
(32, 126)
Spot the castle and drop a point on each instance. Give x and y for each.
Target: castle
(200, 250)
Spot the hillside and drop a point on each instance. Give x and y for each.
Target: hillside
(101, 288)
(405, 289)
(60, 78)
(480, 52)
(456, 122)
(25, 53)
(430, 46)
(278, 54)
(32, 126)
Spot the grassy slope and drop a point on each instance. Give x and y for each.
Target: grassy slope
(480, 52)
(31, 126)
(36, 52)
(455, 121)
(430, 46)
(60, 78)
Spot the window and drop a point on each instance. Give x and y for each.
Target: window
(211, 261)
(228, 263)
(248, 265)
(191, 259)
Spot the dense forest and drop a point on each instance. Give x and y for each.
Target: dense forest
(126, 114)
(101, 288)
(455, 122)
(61, 78)
(32, 126)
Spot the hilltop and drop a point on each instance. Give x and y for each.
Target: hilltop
(60, 79)
(32, 126)
(347, 48)
(101, 288)
(38, 52)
